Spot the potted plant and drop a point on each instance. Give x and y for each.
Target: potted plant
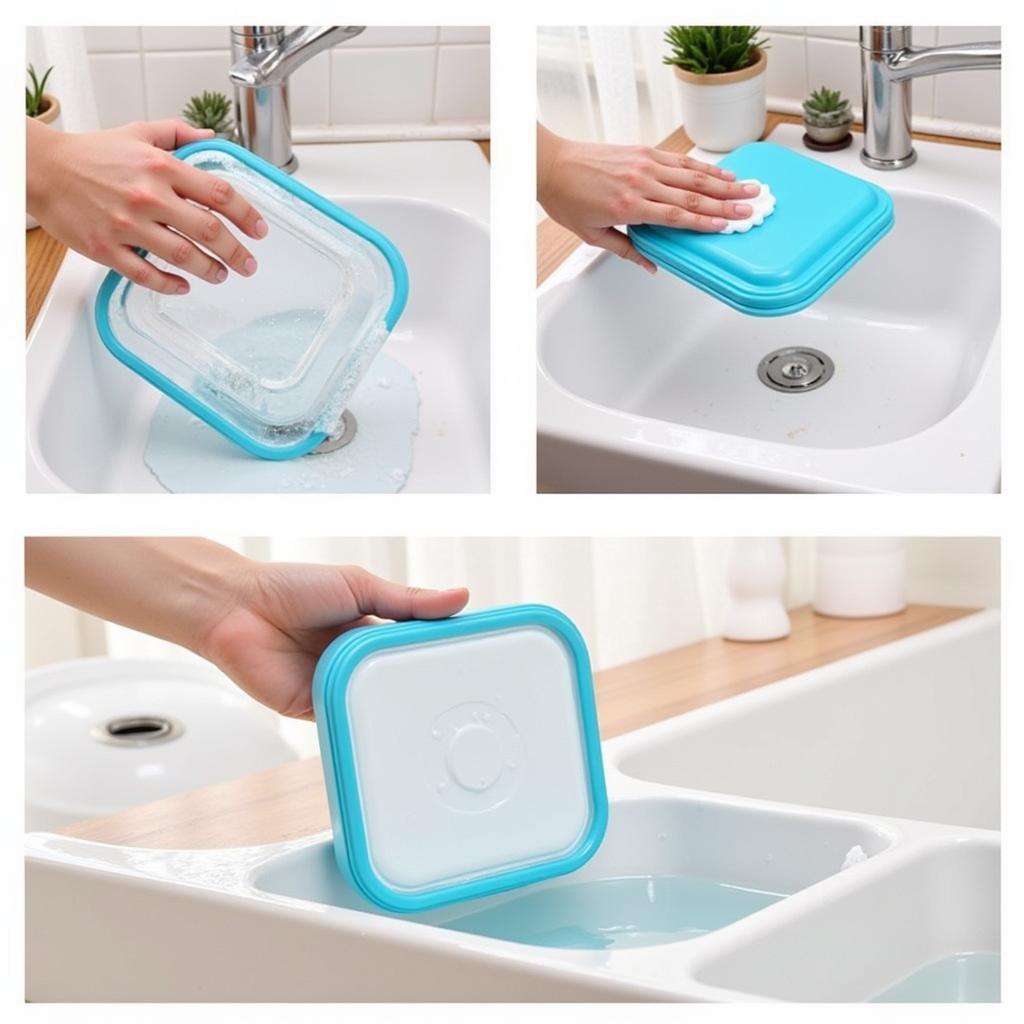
(827, 117)
(38, 102)
(211, 110)
(721, 73)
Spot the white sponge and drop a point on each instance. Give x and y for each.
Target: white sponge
(763, 204)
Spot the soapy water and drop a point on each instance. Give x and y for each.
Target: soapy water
(188, 456)
(617, 913)
(958, 978)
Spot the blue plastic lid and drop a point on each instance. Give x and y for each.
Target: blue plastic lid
(461, 756)
(824, 221)
(272, 360)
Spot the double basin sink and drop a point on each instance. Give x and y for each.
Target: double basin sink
(870, 871)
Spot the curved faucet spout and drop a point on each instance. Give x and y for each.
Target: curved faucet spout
(888, 64)
(271, 67)
(264, 56)
(937, 60)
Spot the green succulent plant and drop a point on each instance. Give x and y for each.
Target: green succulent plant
(826, 101)
(34, 95)
(210, 110)
(713, 49)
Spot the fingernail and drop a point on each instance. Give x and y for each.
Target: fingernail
(751, 190)
(249, 266)
(743, 209)
(652, 270)
(718, 222)
(183, 288)
(259, 229)
(222, 276)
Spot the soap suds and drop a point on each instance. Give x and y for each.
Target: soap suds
(763, 204)
(188, 456)
(855, 855)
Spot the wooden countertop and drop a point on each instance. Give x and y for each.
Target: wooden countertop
(288, 802)
(44, 255)
(555, 243)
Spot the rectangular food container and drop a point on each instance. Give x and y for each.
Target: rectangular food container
(271, 360)
(461, 756)
(824, 222)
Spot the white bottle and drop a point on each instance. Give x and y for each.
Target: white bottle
(860, 577)
(755, 578)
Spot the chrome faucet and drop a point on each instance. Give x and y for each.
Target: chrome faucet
(264, 56)
(888, 64)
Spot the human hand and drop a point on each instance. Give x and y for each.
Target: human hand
(279, 618)
(590, 187)
(106, 193)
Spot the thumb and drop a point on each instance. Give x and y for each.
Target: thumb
(615, 241)
(376, 596)
(172, 133)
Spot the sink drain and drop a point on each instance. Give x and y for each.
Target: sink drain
(795, 369)
(137, 730)
(345, 433)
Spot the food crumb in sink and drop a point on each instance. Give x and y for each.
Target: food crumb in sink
(188, 456)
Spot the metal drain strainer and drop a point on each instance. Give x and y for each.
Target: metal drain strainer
(795, 369)
(343, 435)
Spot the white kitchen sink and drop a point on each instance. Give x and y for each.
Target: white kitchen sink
(89, 416)
(648, 384)
(693, 896)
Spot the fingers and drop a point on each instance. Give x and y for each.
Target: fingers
(218, 195)
(177, 250)
(707, 184)
(376, 596)
(209, 231)
(671, 216)
(615, 241)
(171, 133)
(128, 262)
(693, 202)
(680, 161)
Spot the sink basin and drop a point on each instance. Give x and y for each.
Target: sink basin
(693, 896)
(893, 731)
(89, 417)
(867, 943)
(647, 384)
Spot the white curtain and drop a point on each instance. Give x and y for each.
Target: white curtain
(606, 83)
(64, 49)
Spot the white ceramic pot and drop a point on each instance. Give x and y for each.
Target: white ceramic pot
(860, 577)
(721, 112)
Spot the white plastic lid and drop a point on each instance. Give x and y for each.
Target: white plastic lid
(463, 753)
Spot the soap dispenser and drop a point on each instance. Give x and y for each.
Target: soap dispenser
(755, 579)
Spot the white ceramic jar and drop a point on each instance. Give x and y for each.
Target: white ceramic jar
(721, 112)
(859, 577)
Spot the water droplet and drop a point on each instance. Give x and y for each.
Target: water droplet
(511, 764)
(383, 382)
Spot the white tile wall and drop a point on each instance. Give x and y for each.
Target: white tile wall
(802, 58)
(417, 75)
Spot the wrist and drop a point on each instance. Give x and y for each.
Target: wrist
(210, 582)
(548, 147)
(42, 144)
